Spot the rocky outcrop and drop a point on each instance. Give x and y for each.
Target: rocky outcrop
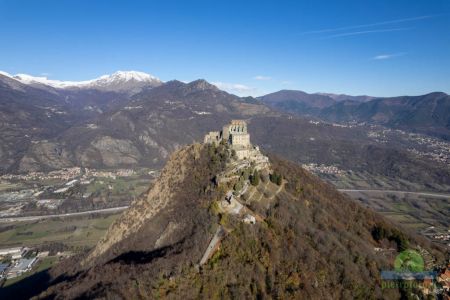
(46, 155)
(158, 198)
(115, 152)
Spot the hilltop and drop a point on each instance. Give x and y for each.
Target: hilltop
(215, 225)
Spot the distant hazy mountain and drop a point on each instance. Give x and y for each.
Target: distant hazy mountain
(343, 97)
(428, 114)
(120, 81)
(297, 101)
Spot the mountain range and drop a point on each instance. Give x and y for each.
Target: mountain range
(45, 127)
(429, 114)
(129, 81)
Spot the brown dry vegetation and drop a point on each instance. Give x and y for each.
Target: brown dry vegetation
(314, 243)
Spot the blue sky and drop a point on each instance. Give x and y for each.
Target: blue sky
(380, 48)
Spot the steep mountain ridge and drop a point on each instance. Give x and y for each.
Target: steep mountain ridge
(169, 228)
(310, 241)
(157, 199)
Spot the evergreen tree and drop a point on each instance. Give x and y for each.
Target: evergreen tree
(276, 178)
(279, 179)
(254, 180)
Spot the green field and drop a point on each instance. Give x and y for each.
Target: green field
(72, 231)
(416, 212)
(365, 180)
(128, 186)
(6, 186)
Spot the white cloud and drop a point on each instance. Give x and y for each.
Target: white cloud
(236, 88)
(365, 32)
(387, 56)
(371, 24)
(261, 77)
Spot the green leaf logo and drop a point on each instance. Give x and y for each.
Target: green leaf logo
(409, 261)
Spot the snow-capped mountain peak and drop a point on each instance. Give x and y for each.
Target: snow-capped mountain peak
(131, 75)
(118, 81)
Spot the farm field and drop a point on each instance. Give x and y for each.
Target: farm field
(73, 232)
(414, 211)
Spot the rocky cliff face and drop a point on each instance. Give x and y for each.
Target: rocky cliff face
(143, 212)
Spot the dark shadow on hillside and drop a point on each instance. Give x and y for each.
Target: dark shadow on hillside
(27, 287)
(140, 257)
(32, 286)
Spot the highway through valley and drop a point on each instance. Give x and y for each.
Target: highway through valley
(396, 192)
(88, 212)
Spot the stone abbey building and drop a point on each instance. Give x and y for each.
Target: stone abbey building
(236, 135)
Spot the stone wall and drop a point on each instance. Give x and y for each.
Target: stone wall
(240, 139)
(243, 153)
(212, 137)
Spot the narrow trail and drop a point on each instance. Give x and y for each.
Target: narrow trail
(278, 191)
(262, 193)
(213, 244)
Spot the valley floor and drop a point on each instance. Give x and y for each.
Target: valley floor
(424, 212)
